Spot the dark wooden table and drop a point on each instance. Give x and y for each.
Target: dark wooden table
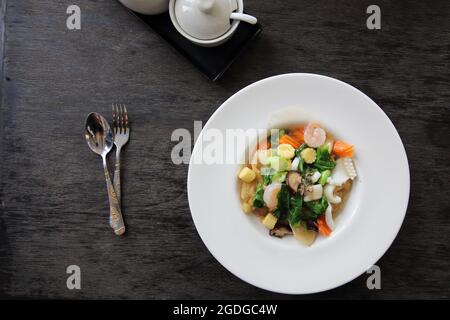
(53, 208)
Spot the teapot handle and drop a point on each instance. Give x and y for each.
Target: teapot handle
(243, 17)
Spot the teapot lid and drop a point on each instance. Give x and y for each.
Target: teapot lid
(205, 19)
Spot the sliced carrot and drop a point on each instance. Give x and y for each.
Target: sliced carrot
(343, 149)
(298, 134)
(345, 154)
(322, 226)
(290, 140)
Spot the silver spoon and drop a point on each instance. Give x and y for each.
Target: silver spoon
(100, 139)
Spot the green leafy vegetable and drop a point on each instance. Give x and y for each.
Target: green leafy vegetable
(301, 165)
(267, 174)
(278, 163)
(295, 210)
(258, 201)
(267, 179)
(283, 202)
(324, 177)
(279, 177)
(324, 161)
(317, 207)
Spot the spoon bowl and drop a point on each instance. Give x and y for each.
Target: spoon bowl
(98, 134)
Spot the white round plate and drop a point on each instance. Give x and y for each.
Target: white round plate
(369, 221)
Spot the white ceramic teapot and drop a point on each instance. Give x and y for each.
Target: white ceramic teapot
(208, 22)
(147, 6)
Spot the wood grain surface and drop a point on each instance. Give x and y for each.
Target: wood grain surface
(53, 204)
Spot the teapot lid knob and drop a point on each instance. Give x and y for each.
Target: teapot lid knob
(205, 5)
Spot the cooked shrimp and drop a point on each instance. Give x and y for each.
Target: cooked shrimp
(315, 136)
(329, 194)
(271, 195)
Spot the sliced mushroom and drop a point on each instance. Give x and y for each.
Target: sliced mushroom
(302, 187)
(280, 231)
(261, 212)
(311, 225)
(293, 180)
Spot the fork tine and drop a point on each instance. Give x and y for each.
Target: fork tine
(114, 121)
(122, 128)
(117, 118)
(126, 118)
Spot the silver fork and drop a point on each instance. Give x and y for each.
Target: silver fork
(121, 130)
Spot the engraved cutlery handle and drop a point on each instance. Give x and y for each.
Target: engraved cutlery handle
(115, 218)
(117, 175)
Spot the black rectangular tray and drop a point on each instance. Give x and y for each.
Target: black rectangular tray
(213, 62)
